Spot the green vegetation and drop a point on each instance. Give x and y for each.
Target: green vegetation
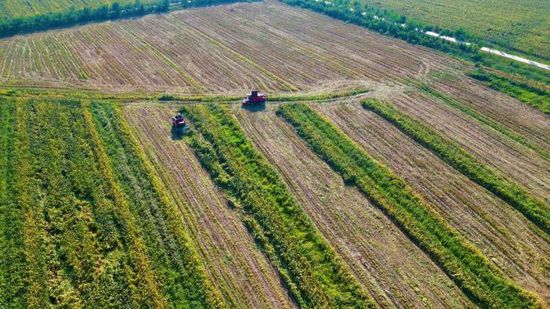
(71, 16)
(533, 96)
(471, 271)
(485, 120)
(162, 231)
(51, 14)
(522, 25)
(71, 224)
(307, 264)
(465, 163)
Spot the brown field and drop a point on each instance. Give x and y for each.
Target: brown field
(222, 49)
(512, 159)
(503, 234)
(384, 260)
(235, 266)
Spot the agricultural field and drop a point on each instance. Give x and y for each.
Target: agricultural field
(214, 51)
(19, 8)
(84, 221)
(522, 25)
(234, 265)
(378, 173)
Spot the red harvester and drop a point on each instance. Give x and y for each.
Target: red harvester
(178, 121)
(254, 98)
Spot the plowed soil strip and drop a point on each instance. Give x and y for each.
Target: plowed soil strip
(234, 264)
(510, 241)
(381, 257)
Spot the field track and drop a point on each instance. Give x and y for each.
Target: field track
(228, 48)
(235, 266)
(504, 235)
(380, 255)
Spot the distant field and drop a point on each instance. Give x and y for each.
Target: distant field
(26, 8)
(523, 25)
(214, 51)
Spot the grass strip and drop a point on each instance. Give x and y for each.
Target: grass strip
(309, 267)
(462, 262)
(465, 163)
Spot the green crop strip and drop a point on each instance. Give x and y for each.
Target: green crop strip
(464, 264)
(465, 163)
(72, 243)
(485, 120)
(68, 235)
(172, 256)
(12, 263)
(312, 272)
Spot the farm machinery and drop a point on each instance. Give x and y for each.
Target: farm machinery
(178, 122)
(254, 98)
(178, 126)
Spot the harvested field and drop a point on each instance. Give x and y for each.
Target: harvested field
(380, 255)
(233, 263)
(500, 107)
(513, 160)
(278, 48)
(509, 240)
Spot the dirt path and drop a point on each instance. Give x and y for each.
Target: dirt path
(235, 266)
(381, 257)
(502, 233)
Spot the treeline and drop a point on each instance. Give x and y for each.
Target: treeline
(463, 263)
(72, 16)
(531, 95)
(452, 154)
(308, 266)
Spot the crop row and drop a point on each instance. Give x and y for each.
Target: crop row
(172, 255)
(485, 120)
(312, 272)
(465, 163)
(471, 271)
(68, 225)
(532, 96)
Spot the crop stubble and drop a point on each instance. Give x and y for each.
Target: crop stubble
(509, 240)
(222, 49)
(379, 254)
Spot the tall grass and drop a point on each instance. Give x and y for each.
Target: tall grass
(463, 263)
(309, 267)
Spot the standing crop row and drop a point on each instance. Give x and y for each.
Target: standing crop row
(470, 270)
(68, 233)
(172, 256)
(312, 272)
(465, 163)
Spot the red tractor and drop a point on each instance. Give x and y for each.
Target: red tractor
(178, 122)
(254, 98)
